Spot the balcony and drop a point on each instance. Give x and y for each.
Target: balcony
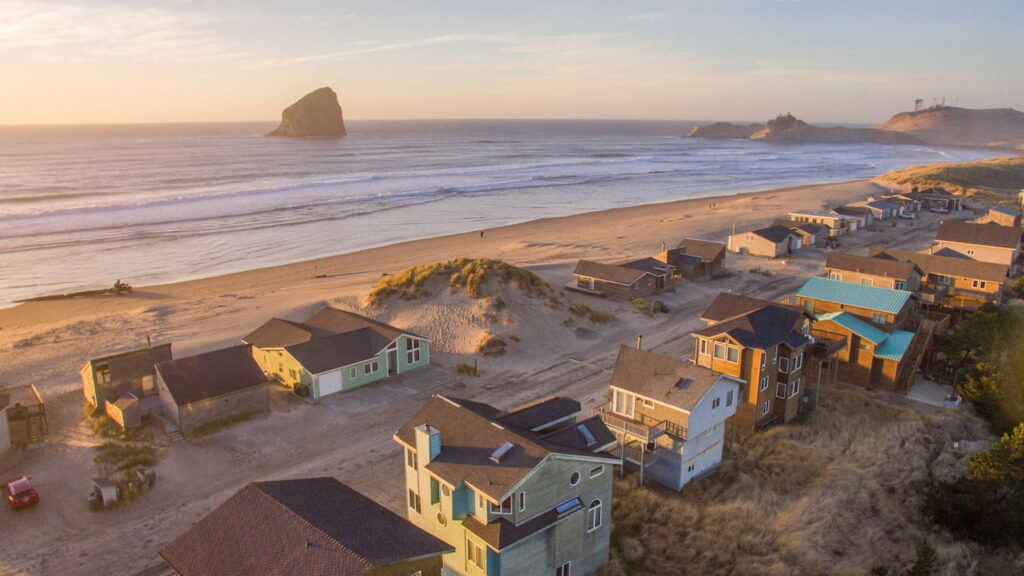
(827, 344)
(642, 428)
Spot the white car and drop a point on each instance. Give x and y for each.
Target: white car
(908, 216)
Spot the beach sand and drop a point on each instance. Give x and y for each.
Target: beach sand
(349, 435)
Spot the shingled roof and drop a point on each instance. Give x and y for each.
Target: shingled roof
(662, 378)
(978, 234)
(608, 272)
(773, 233)
(298, 527)
(901, 270)
(728, 305)
(762, 328)
(652, 266)
(958, 266)
(212, 374)
(706, 250)
(805, 227)
(472, 431)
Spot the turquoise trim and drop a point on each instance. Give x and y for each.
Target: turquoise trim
(895, 346)
(855, 325)
(869, 297)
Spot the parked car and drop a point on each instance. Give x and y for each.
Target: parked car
(20, 493)
(832, 242)
(908, 216)
(940, 210)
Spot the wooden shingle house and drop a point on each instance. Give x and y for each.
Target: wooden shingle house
(982, 242)
(695, 259)
(641, 278)
(527, 491)
(124, 384)
(669, 416)
(770, 242)
(867, 271)
(952, 281)
(304, 527)
(334, 350)
(886, 308)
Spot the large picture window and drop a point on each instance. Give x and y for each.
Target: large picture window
(594, 516)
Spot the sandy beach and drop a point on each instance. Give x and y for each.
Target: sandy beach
(45, 343)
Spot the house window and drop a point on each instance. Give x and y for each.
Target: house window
(371, 367)
(504, 507)
(766, 408)
(879, 318)
(103, 374)
(474, 554)
(900, 285)
(835, 276)
(809, 306)
(410, 459)
(716, 403)
(594, 516)
(647, 403)
(784, 365)
(734, 355)
(564, 569)
(940, 279)
(412, 356)
(980, 284)
(522, 501)
(623, 403)
(775, 355)
(806, 328)
(691, 467)
(764, 360)
(970, 252)
(721, 351)
(435, 491)
(597, 471)
(866, 282)
(795, 389)
(764, 383)
(291, 372)
(703, 347)
(728, 398)
(414, 501)
(352, 373)
(798, 361)
(574, 479)
(780, 390)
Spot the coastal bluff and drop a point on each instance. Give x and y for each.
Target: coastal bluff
(315, 115)
(951, 126)
(789, 129)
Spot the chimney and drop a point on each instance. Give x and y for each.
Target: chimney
(149, 342)
(662, 246)
(428, 443)
(639, 341)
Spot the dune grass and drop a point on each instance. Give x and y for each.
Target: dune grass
(490, 344)
(1002, 177)
(470, 275)
(583, 311)
(838, 492)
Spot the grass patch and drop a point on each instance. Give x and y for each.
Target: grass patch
(105, 427)
(761, 271)
(723, 273)
(490, 344)
(642, 305)
(470, 275)
(468, 369)
(218, 425)
(583, 311)
(124, 456)
(995, 178)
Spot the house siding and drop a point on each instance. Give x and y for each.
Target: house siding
(912, 283)
(892, 321)
(1006, 256)
(427, 567)
(190, 417)
(755, 245)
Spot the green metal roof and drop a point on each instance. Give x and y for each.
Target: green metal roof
(869, 297)
(856, 325)
(895, 346)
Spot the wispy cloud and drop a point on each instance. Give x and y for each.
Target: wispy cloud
(648, 17)
(371, 48)
(70, 31)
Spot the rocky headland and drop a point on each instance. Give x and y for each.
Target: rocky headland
(315, 115)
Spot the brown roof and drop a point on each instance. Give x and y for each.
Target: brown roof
(608, 272)
(278, 333)
(662, 378)
(706, 250)
(298, 527)
(874, 266)
(959, 266)
(763, 328)
(774, 234)
(597, 437)
(728, 305)
(542, 413)
(335, 321)
(805, 227)
(652, 266)
(501, 533)
(857, 211)
(470, 433)
(134, 364)
(330, 352)
(978, 234)
(203, 376)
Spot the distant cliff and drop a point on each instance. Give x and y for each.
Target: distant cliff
(315, 115)
(951, 126)
(788, 128)
(1003, 177)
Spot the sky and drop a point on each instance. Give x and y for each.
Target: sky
(99, 61)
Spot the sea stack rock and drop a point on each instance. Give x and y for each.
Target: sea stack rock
(315, 115)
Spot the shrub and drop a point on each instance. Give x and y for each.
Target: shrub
(761, 271)
(468, 369)
(106, 427)
(218, 425)
(643, 305)
(490, 344)
(114, 454)
(466, 274)
(582, 310)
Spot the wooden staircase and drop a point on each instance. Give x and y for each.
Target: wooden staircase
(918, 347)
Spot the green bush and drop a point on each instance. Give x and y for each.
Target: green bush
(106, 427)
(582, 310)
(468, 369)
(112, 453)
(470, 275)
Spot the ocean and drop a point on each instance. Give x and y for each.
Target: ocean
(83, 206)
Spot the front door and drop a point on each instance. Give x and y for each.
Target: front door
(392, 362)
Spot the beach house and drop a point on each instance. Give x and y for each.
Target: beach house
(762, 344)
(124, 384)
(862, 214)
(694, 258)
(952, 281)
(886, 308)
(528, 491)
(983, 242)
(770, 242)
(936, 199)
(208, 388)
(880, 209)
(836, 224)
(303, 526)
(641, 278)
(867, 271)
(872, 357)
(334, 350)
(811, 234)
(669, 416)
(1001, 216)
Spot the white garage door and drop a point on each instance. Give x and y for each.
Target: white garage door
(329, 383)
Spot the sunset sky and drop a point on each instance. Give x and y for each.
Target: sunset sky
(98, 61)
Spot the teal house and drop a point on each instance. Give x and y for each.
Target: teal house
(333, 351)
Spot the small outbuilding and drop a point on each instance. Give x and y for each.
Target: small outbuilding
(695, 258)
(771, 242)
(627, 281)
(104, 491)
(25, 414)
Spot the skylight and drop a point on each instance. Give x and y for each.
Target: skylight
(500, 453)
(568, 506)
(683, 383)
(588, 437)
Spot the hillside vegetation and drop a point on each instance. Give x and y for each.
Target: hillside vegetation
(952, 126)
(471, 276)
(840, 492)
(1002, 177)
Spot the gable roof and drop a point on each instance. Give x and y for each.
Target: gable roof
(470, 433)
(888, 345)
(212, 374)
(321, 355)
(706, 250)
(652, 266)
(541, 414)
(874, 266)
(762, 328)
(608, 272)
(881, 204)
(867, 297)
(857, 211)
(978, 234)
(1007, 211)
(662, 378)
(278, 333)
(955, 266)
(296, 527)
(776, 234)
(814, 213)
(134, 364)
(728, 305)
(805, 227)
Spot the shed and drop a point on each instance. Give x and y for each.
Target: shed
(105, 490)
(26, 415)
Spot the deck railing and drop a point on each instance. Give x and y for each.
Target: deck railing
(642, 427)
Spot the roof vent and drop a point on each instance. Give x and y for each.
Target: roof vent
(684, 383)
(588, 436)
(500, 453)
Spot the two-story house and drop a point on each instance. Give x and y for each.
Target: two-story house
(334, 350)
(668, 415)
(528, 491)
(761, 343)
(983, 242)
(893, 274)
(887, 308)
(956, 281)
(837, 225)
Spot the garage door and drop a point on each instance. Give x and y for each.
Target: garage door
(329, 383)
